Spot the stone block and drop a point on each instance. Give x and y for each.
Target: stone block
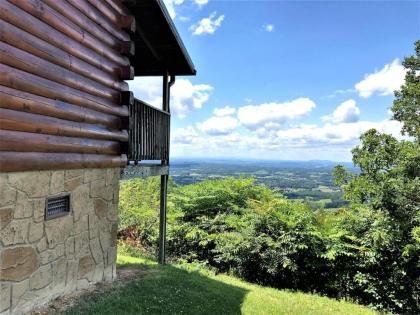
(72, 183)
(41, 278)
(5, 216)
(5, 294)
(86, 267)
(99, 190)
(71, 277)
(18, 263)
(24, 207)
(36, 231)
(91, 175)
(81, 244)
(112, 214)
(96, 251)
(57, 182)
(111, 255)
(59, 274)
(34, 184)
(52, 254)
(101, 207)
(80, 201)
(18, 290)
(73, 173)
(58, 230)
(93, 226)
(112, 176)
(15, 232)
(82, 225)
(39, 209)
(69, 247)
(42, 245)
(7, 193)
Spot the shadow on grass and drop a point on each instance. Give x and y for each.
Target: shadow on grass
(152, 289)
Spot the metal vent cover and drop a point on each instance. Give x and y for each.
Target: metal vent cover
(57, 207)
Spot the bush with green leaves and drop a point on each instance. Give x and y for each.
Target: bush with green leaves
(368, 252)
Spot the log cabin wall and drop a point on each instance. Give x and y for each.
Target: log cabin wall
(63, 99)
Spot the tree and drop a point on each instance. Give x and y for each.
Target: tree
(389, 186)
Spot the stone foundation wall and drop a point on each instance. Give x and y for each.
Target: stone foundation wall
(39, 259)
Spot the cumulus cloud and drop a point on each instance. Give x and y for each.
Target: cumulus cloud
(200, 3)
(185, 96)
(384, 81)
(222, 125)
(269, 27)
(224, 111)
(346, 112)
(187, 135)
(207, 25)
(273, 114)
(170, 6)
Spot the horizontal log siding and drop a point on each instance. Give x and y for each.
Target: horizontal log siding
(62, 66)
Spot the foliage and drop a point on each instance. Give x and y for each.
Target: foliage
(368, 252)
(189, 289)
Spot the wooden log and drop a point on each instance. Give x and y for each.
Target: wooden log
(118, 6)
(31, 161)
(32, 142)
(63, 25)
(23, 40)
(20, 80)
(84, 22)
(95, 15)
(31, 103)
(18, 17)
(21, 121)
(22, 60)
(126, 22)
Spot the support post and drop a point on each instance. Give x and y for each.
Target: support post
(162, 217)
(163, 182)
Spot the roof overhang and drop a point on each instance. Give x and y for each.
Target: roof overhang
(159, 48)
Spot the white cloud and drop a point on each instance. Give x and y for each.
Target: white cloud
(219, 125)
(346, 112)
(184, 18)
(170, 6)
(225, 111)
(207, 25)
(200, 3)
(185, 96)
(269, 27)
(187, 135)
(264, 115)
(385, 81)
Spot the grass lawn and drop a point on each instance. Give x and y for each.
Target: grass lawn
(182, 289)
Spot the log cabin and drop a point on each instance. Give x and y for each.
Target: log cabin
(70, 129)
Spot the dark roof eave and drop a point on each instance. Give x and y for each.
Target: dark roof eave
(159, 48)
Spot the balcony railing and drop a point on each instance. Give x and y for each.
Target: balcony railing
(148, 133)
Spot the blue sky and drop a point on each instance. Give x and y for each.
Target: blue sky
(287, 80)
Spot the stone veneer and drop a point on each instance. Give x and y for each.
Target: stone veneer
(41, 260)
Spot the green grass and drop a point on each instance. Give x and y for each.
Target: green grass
(185, 289)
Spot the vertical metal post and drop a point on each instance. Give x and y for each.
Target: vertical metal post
(163, 183)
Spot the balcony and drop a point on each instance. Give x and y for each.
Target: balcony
(148, 133)
(148, 141)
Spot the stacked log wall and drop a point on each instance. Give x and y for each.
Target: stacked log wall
(63, 95)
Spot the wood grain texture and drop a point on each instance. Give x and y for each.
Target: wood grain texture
(27, 122)
(20, 80)
(27, 62)
(35, 104)
(18, 38)
(18, 17)
(31, 161)
(60, 23)
(95, 15)
(32, 142)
